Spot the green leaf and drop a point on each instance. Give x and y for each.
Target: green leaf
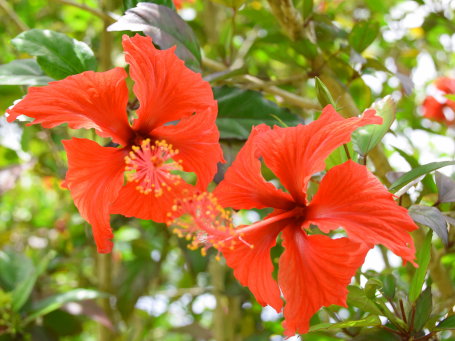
(450, 96)
(339, 156)
(239, 110)
(369, 321)
(419, 171)
(58, 55)
(371, 286)
(307, 8)
(424, 305)
(49, 304)
(23, 72)
(366, 138)
(22, 291)
(389, 285)
(446, 324)
(423, 259)
(357, 298)
(14, 268)
(431, 217)
(323, 94)
(165, 27)
(363, 34)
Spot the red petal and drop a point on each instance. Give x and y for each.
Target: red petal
(314, 271)
(196, 137)
(434, 110)
(446, 85)
(131, 203)
(244, 187)
(252, 264)
(166, 89)
(94, 177)
(351, 197)
(295, 154)
(87, 100)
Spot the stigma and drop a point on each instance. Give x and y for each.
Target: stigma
(200, 219)
(150, 166)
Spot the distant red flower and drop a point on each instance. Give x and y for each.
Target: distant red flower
(314, 270)
(179, 3)
(152, 148)
(439, 110)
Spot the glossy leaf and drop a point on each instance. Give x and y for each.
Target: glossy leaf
(419, 171)
(23, 72)
(446, 188)
(239, 110)
(366, 138)
(363, 34)
(423, 259)
(165, 27)
(431, 217)
(58, 55)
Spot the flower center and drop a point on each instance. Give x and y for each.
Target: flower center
(150, 167)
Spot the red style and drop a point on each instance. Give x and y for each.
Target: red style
(314, 270)
(174, 130)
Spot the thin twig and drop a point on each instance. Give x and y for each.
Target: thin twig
(100, 14)
(13, 16)
(262, 85)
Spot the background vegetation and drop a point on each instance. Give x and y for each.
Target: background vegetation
(262, 58)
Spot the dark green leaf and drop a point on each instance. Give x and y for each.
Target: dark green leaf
(446, 188)
(166, 29)
(366, 138)
(14, 268)
(58, 55)
(49, 304)
(423, 259)
(424, 305)
(363, 34)
(389, 286)
(23, 72)
(446, 324)
(431, 217)
(324, 96)
(419, 171)
(369, 321)
(239, 110)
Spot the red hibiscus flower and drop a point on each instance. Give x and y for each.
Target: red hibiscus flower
(151, 149)
(314, 270)
(441, 110)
